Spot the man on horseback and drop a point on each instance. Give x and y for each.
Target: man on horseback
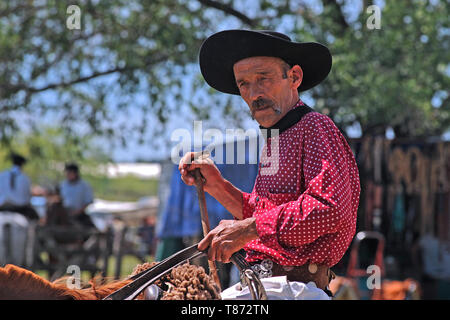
(15, 189)
(300, 217)
(15, 212)
(76, 195)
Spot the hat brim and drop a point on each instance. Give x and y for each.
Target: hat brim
(222, 50)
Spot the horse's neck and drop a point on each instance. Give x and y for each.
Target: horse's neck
(21, 284)
(18, 283)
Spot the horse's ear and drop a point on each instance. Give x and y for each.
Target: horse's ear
(20, 284)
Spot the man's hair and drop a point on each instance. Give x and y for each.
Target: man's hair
(285, 67)
(72, 167)
(18, 160)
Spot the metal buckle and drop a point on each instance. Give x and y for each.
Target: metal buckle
(263, 270)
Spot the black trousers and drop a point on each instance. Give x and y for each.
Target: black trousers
(84, 220)
(27, 210)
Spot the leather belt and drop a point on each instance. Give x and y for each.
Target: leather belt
(321, 275)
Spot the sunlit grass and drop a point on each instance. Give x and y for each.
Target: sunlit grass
(127, 188)
(129, 262)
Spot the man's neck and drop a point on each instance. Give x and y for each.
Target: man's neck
(291, 118)
(296, 104)
(293, 101)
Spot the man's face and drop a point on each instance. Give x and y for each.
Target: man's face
(71, 175)
(268, 90)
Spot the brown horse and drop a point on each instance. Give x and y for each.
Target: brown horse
(20, 284)
(185, 282)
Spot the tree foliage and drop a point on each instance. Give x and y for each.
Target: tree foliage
(89, 77)
(133, 56)
(392, 76)
(48, 150)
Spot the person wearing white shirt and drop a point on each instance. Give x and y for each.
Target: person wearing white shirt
(15, 189)
(76, 195)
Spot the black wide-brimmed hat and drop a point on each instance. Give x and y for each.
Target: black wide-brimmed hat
(222, 50)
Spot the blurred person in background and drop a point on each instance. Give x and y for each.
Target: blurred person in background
(15, 212)
(147, 233)
(56, 214)
(76, 195)
(15, 189)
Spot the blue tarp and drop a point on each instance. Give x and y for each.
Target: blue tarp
(181, 214)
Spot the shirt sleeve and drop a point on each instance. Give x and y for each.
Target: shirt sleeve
(88, 194)
(326, 201)
(24, 185)
(248, 204)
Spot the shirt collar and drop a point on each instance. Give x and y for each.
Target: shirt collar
(15, 169)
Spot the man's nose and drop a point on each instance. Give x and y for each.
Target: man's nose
(256, 92)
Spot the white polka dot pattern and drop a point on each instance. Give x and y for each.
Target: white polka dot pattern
(306, 207)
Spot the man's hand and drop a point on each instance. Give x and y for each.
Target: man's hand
(207, 168)
(219, 188)
(227, 238)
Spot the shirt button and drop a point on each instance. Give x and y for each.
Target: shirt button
(312, 268)
(257, 199)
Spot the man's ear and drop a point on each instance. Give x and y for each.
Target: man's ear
(296, 74)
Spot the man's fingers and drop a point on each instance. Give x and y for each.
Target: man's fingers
(188, 179)
(194, 157)
(213, 248)
(194, 165)
(185, 160)
(206, 241)
(191, 167)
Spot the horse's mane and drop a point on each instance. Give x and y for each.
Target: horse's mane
(97, 291)
(20, 284)
(185, 282)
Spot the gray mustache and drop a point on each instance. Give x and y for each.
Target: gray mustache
(261, 103)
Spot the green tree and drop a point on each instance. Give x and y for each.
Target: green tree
(131, 56)
(48, 150)
(44, 66)
(392, 76)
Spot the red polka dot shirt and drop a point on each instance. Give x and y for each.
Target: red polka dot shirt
(305, 203)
